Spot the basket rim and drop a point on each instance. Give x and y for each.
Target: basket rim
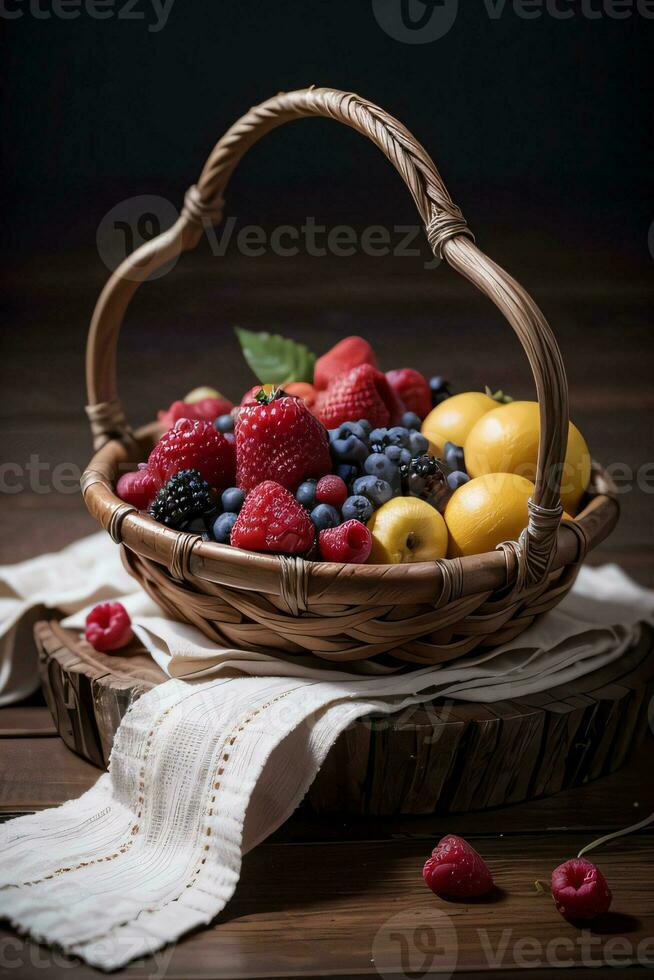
(249, 570)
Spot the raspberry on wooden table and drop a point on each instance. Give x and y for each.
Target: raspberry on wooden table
(108, 627)
(271, 519)
(579, 890)
(456, 870)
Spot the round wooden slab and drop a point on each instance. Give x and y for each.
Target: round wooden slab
(445, 757)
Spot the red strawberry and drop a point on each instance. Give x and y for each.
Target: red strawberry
(279, 439)
(455, 870)
(579, 890)
(194, 445)
(250, 396)
(363, 393)
(349, 542)
(345, 355)
(413, 389)
(272, 520)
(138, 488)
(332, 490)
(207, 409)
(108, 626)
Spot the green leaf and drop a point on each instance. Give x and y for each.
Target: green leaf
(499, 396)
(276, 360)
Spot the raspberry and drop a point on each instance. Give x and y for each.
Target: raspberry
(456, 870)
(331, 489)
(347, 354)
(350, 542)
(206, 409)
(412, 388)
(108, 627)
(272, 520)
(185, 496)
(194, 445)
(363, 393)
(278, 439)
(579, 890)
(138, 488)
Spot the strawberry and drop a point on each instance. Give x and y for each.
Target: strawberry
(194, 445)
(271, 519)
(579, 890)
(455, 870)
(413, 389)
(108, 627)
(363, 393)
(138, 488)
(345, 355)
(206, 409)
(349, 542)
(277, 438)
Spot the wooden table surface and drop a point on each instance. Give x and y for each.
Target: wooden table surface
(338, 896)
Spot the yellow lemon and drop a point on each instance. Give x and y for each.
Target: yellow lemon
(199, 394)
(452, 420)
(485, 511)
(407, 529)
(506, 441)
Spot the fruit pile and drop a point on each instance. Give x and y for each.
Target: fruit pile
(332, 459)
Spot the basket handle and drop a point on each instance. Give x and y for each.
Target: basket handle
(449, 237)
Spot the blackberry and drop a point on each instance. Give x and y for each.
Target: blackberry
(185, 496)
(425, 477)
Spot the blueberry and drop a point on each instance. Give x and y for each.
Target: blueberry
(456, 479)
(232, 499)
(349, 450)
(418, 443)
(224, 423)
(454, 456)
(377, 491)
(354, 429)
(325, 516)
(440, 390)
(378, 437)
(398, 436)
(222, 528)
(347, 472)
(411, 421)
(379, 465)
(357, 508)
(366, 426)
(397, 455)
(306, 494)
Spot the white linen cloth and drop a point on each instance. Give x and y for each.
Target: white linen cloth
(204, 769)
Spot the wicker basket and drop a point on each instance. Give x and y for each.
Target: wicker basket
(379, 618)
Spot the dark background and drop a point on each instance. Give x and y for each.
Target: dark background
(540, 127)
(550, 117)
